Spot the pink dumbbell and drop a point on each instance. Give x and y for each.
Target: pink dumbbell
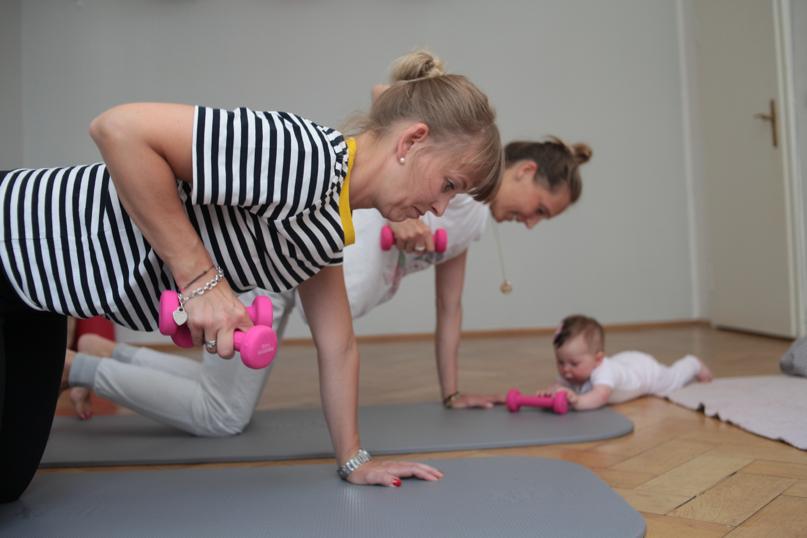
(257, 346)
(440, 239)
(557, 402)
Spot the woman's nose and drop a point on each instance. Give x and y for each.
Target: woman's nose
(440, 206)
(531, 222)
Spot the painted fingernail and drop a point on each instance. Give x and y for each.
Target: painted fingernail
(396, 482)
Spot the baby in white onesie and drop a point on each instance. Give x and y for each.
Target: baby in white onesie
(592, 380)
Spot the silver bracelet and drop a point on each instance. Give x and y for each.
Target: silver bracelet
(198, 292)
(180, 316)
(359, 458)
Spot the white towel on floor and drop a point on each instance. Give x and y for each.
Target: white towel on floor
(771, 406)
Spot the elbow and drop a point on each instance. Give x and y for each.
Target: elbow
(100, 126)
(109, 126)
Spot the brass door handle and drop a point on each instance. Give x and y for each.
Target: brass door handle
(771, 117)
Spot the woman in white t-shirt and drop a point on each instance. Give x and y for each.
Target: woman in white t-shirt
(218, 398)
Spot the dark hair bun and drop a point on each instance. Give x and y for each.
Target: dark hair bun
(582, 153)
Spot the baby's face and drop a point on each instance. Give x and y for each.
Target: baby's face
(576, 361)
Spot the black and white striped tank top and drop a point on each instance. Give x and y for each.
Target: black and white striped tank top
(269, 198)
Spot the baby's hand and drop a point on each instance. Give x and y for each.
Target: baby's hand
(549, 391)
(571, 396)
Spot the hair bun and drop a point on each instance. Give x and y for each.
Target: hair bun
(415, 65)
(582, 153)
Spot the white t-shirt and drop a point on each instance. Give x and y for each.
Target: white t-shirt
(630, 374)
(372, 276)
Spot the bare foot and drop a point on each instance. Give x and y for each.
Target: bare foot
(80, 398)
(704, 374)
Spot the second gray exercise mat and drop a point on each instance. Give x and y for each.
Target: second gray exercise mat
(301, 433)
(478, 498)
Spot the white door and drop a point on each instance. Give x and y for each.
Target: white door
(746, 218)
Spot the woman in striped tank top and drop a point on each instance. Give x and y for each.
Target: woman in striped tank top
(192, 198)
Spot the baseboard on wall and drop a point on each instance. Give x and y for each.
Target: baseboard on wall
(507, 333)
(754, 333)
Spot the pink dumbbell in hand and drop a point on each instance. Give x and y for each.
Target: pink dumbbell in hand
(440, 239)
(257, 346)
(557, 402)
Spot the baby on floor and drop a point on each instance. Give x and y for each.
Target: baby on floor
(592, 380)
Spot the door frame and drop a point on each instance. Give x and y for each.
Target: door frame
(794, 182)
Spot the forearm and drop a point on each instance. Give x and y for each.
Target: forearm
(328, 312)
(449, 279)
(339, 380)
(145, 169)
(591, 400)
(447, 344)
(155, 208)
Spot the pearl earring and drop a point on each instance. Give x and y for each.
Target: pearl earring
(401, 160)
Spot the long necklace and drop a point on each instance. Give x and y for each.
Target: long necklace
(506, 287)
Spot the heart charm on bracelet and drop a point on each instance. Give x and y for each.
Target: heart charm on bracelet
(180, 316)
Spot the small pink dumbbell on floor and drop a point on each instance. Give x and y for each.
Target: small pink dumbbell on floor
(557, 402)
(440, 239)
(257, 346)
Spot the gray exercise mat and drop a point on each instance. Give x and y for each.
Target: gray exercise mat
(478, 497)
(301, 433)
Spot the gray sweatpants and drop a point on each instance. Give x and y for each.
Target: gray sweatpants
(213, 398)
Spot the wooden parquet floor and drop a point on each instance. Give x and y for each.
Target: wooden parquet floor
(689, 475)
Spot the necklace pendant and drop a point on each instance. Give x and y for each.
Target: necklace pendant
(180, 316)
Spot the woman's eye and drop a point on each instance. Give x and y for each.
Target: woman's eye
(449, 185)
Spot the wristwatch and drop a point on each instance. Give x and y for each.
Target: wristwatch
(448, 401)
(359, 458)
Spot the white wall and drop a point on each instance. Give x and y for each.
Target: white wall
(10, 86)
(606, 73)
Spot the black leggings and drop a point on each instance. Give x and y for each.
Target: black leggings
(32, 347)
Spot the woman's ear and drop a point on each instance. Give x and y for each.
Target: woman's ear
(526, 169)
(415, 133)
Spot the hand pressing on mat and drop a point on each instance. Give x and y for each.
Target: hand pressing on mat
(389, 473)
